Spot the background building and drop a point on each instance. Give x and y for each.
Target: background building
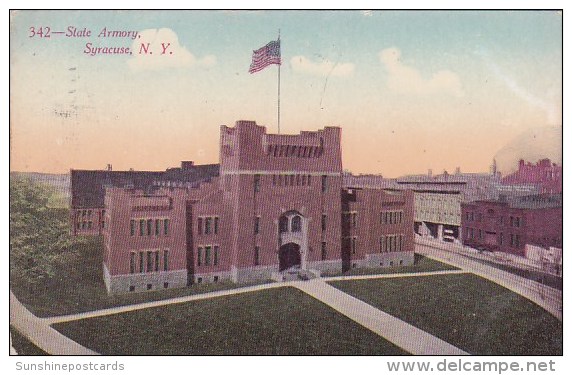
(509, 224)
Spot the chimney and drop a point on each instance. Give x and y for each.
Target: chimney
(109, 167)
(187, 164)
(430, 172)
(458, 170)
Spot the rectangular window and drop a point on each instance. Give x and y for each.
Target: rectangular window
(157, 261)
(256, 182)
(149, 227)
(257, 255)
(208, 221)
(132, 262)
(215, 255)
(323, 222)
(309, 180)
(199, 256)
(141, 227)
(141, 261)
(103, 225)
(200, 225)
(207, 255)
(354, 245)
(354, 220)
(501, 238)
(257, 224)
(216, 225)
(324, 184)
(166, 260)
(324, 251)
(166, 226)
(149, 261)
(157, 227)
(480, 234)
(89, 224)
(400, 217)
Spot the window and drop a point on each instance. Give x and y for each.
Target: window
(149, 227)
(215, 255)
(215, 279)
(354, 245)
(324, 184)
(165, 285)
(324, 251)
(149, 261)
(207, 255)
(132, 262)
(199, 280)
(296, 224)
(141, 227)
(149, 286)
(89, 224)
(501, 238)
(354, 219)
(166, 260)
(480, 234)
(141, 262)
(257, 255)
(382, 244)
(157, 227)
(156, 261)
(89, 214)
(200, 225)
(283, 224)
(256, 182)
(208, 221)
(216, 225)
(166, 226)
(257, 224)
(131, 288)
(199, 256)
(323, 222)
(309, 180)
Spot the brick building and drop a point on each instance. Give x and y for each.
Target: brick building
(509, 224)
(87, 213)
(278, 204)
(545, 175)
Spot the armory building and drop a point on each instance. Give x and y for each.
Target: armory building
(277, 206)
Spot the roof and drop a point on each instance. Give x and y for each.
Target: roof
(88, 186)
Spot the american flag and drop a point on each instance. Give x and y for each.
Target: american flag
(267, 55)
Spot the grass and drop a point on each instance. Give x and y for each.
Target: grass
(79, 287)
(420, 264)
(467, 311)
(281, 321)
(24, 346)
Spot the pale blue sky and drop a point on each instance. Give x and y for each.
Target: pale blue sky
(446, 81)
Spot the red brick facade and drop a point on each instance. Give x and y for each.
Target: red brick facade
(278, 203)
(508, 226)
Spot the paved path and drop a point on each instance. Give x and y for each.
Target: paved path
(41, 334)
(400, 333)
(222, 293)
(546, 297)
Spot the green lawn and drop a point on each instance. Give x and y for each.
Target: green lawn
(421, 264)
(24, 346)
(282, 321)
(467, 311)
(79, 287)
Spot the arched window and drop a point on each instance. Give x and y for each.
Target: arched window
(296, 224)
(283, 224)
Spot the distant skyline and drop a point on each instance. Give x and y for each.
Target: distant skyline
(412, 91)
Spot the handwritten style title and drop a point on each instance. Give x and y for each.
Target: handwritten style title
(91, 49)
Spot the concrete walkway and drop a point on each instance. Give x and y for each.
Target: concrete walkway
(41, 334)
(546, 297)
(222, 293)
(400, 333)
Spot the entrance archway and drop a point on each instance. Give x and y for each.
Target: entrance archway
(289, 256)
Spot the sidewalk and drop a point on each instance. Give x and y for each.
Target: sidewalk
(400, 333)
(546, 297)
(41, 334)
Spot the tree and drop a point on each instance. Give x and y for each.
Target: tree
(39, 235)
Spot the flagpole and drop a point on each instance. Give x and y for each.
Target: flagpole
(279, 82)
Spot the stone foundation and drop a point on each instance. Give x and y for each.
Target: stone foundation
(143, 282)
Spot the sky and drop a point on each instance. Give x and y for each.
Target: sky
(411, 90)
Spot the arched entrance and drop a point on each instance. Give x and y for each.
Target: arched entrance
(289, 256)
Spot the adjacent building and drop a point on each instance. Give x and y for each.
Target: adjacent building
(278, 204)
(544, 175)
(509, 224)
